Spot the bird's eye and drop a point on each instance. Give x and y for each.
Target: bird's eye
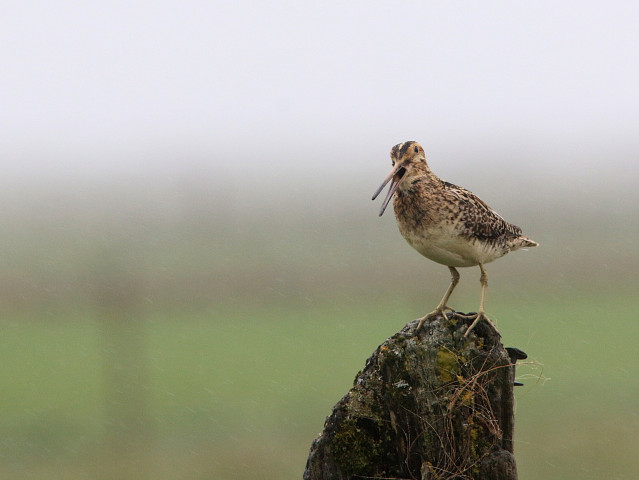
(416, 149)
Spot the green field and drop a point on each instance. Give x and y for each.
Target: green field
(146, 342)
(241, 393)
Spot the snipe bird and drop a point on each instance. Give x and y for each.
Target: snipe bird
(446, 223)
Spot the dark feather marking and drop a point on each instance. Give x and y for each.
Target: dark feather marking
(404, 148)
(477, 218)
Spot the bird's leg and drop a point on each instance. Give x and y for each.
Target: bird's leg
(442, 305)
(483, 279)
(453, 283)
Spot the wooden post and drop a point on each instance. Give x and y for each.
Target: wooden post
(429, 405)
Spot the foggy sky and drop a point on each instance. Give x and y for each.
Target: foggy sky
(288, 89)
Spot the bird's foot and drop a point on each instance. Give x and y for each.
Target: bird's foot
(438, 311)
(478, 317)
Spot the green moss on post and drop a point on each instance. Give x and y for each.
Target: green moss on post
(428, 405)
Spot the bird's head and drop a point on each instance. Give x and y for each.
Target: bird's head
(405, 157)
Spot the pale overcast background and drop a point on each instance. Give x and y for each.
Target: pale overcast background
(212, 164)
(252, 92)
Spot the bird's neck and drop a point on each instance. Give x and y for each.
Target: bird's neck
(412, 203)
(421, 178)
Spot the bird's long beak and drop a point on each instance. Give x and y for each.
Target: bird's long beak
(395, 177)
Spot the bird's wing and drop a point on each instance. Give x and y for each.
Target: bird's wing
(476, 219)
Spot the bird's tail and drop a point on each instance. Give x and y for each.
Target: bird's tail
(523, 242)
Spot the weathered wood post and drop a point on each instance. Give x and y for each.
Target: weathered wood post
(428, 405)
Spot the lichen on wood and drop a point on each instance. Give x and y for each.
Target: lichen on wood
(428, 405)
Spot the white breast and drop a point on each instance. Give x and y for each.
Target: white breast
(444, 245)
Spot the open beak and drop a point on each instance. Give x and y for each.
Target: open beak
(395, 177)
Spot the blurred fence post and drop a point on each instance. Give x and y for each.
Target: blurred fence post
(118, 296)
(428, 405)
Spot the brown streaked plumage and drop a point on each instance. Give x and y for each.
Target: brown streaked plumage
(446, 223)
